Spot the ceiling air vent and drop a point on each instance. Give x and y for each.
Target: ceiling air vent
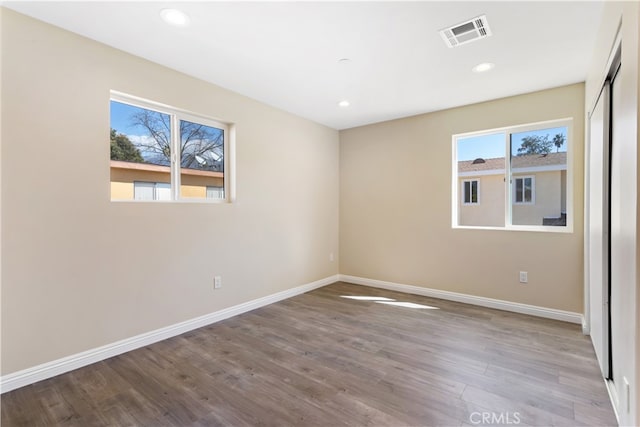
(473, 29)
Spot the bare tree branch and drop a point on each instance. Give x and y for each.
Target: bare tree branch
(201, 146)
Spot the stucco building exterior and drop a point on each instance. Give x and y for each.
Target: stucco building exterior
(538, 185)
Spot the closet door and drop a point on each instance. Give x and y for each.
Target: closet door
(598, 208)
(621, 256)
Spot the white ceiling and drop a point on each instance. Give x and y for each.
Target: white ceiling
(286, 53)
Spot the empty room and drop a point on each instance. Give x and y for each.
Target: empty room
(319, 213)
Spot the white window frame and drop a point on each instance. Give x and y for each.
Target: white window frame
(471, 202)
(176, 115)
(509, 193)
(533, 190)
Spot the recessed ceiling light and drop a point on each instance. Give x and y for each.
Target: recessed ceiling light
(175, 17)
(481, 68)
(343, 61)
(344, 103)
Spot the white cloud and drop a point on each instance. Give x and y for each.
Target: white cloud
(142, 140)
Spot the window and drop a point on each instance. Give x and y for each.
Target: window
(524, 174)
(215, 192)
(524, 189)
(470, 192)
(162, 153)
(151, 190)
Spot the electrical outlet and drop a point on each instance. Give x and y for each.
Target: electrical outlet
(217, 282)
(331, 257)
(523, 277)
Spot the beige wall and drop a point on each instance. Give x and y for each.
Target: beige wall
(399, 229)
(625, 295)
(79, 271)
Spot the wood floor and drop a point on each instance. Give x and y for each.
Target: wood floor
(319, 359)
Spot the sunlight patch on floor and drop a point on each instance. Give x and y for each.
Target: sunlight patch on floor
(388, 301)
(407, 304)
(365, 298)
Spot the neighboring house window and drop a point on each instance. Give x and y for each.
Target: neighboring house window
(524, 189)
(526, 177)
(470, 192)
(162, 153)
(215, 192)
(151, 190)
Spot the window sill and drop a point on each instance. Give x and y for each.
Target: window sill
(182, 201)
(531, 228)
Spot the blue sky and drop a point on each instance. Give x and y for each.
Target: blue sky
(493, 145)
(121, 119)
(484, 146)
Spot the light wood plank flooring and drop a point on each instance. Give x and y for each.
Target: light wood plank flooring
(319, 359)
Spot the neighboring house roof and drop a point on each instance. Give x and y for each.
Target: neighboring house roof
(537, 160)
(118, 164)
(477, 165)
(517, 162)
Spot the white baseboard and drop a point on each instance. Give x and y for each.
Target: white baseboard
(549, 313)
(613, 397)
(51, 369)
